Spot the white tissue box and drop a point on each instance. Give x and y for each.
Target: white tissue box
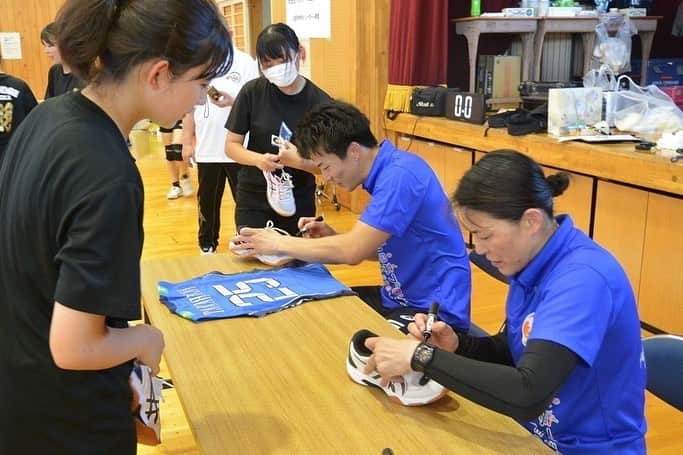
(563, 11)
(518, 12)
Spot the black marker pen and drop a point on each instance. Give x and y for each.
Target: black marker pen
(301, 232)
(431, 319)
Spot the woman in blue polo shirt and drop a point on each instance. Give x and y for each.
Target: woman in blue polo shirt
(569, 363)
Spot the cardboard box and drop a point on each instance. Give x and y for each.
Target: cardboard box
(662, 72)
(507, 71)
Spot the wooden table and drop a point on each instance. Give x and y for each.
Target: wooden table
(472, 27)
(278, 384)
(585, 26)
(646, 26)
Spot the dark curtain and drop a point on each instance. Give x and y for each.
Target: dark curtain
(418, 42)
(665, 45)
(458, 63)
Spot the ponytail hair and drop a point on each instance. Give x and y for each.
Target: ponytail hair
(505, 183)
(103, 40)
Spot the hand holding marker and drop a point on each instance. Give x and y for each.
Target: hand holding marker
(432, 317)
(301, 232)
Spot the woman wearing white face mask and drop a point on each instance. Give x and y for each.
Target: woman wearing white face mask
(275, 184)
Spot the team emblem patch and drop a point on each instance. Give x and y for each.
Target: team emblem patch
(527, 325)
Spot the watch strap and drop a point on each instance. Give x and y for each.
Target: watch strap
(422, 356)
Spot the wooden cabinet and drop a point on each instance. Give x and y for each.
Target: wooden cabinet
(619, 226)
(641, 229)
(448, 162)
(458, 161)
(577, 200)
(661, 280)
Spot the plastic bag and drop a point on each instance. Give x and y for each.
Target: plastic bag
(645, 110)
(603, 77)
(614, 51)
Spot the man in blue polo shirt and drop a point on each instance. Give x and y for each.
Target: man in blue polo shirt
(408, 226)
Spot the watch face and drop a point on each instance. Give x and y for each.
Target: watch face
(422, 356)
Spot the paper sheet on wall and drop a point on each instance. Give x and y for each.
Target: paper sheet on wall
(10, 45)
(309, 18)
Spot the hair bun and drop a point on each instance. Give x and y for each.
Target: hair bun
(558, 183)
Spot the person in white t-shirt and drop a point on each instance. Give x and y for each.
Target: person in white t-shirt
(204, 136)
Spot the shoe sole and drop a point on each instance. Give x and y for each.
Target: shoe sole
(361, 379)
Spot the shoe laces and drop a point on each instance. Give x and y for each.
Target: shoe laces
(270, 225)
(282, 185)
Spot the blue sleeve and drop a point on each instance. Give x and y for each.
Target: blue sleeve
(394, 203)
(575, 312)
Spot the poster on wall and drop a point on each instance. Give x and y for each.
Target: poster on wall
(309, 18)
(10, 45)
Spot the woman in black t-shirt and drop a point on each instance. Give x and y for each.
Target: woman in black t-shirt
(276, 184)
(60, 79)
(71, 208)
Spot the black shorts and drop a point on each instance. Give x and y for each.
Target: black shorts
(174, 152)
(177, 126)
(399, 317)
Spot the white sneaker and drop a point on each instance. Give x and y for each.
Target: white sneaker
(409, 392)
(186, 185)
(146, 399)
(174, 193)
(280, 193)
(274, 260)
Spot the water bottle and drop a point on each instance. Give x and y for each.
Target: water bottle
(475, 10)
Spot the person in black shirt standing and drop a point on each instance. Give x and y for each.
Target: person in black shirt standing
(269, 109)
(71, 207)
(16, 101)
(60, 79)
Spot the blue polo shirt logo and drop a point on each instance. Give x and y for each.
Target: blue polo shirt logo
(543, 427)
(392, 285)
(527, 325)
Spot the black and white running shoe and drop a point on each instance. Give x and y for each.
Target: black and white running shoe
(409, 392)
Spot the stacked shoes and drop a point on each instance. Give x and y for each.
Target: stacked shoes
(275, 260)
(410, 392)
(280, 193)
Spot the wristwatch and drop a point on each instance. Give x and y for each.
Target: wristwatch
(422, 357)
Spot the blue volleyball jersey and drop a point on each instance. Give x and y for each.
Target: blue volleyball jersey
(425, 259)
(256, 293)
(576, 294)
